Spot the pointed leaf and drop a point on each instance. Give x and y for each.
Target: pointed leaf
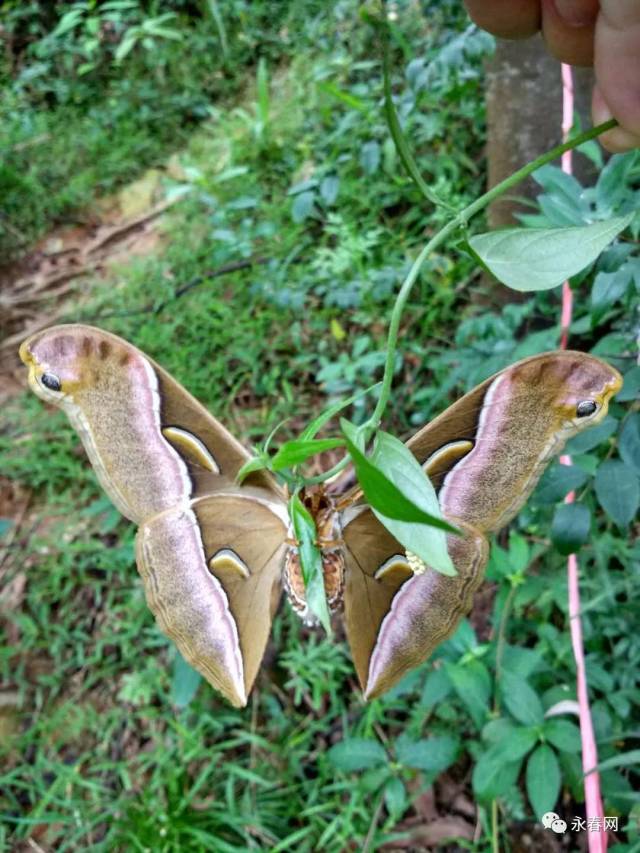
(395, 797)
(294, 452)
(472, 683)
(618, 491)
(592, 437)
(357, 754)
(570, 527)
(256, 463)
(411, 513)
(557, 481)
(331, 411)
(492, 776)
(528, 259)
(563, 734)
(433, 755)
(310, 561)
(521, 700)
(543, 780)
(629, 446)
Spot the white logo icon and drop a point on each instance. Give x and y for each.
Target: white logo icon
(550, 820)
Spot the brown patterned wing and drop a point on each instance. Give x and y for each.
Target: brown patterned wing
(151, 443)
(395, 618)
(212, 573)
(484, 456)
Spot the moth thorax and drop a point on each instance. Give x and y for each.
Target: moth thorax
(333, 575)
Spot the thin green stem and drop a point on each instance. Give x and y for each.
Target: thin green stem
(326, 475)
(460, 221)
(495, 846)
(398, 137)
(502, 628)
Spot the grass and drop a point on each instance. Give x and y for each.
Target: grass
(99, 752)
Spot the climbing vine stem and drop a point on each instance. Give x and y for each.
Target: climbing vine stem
(459, 222)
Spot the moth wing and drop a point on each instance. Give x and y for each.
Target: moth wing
(211, 453)
(211, 572)
(394, 618)
(484, 455)
(152, 445)
(367, 599)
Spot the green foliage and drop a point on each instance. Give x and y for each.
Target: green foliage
(538, 259)
(93, 93)
(400, 494)
(116, 747)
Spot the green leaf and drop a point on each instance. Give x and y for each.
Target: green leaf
(411, 513)
(256, 463)
(310, 561)
(629, 442)
(492, 776)
(329, 189)
(436, 688)
(433, 755)
(623, 759)
(608, 288)
(528, 259)
(557, 481)
(357, 754)
(332, 411)
(472, 683)
(631, 388)
(592, 437)
(520, 699)
(346, 97)
(543, 780)
(618, 491)
(570, 527)
(613, 182)
(303, 206)
(127, 44)
(370, 157)
(294, 452)
(184, 682)
(69, 21)
(395, 797)
(511, 742)
(563, 734)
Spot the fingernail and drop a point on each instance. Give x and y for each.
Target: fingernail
(618, 139)
(577, 13)
(600, 111)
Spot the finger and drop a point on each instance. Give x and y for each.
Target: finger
(617, 66)
(567, 41)
(510, 19)
(617, 140)
(578, 13)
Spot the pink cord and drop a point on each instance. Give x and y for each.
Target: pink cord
(597, 837)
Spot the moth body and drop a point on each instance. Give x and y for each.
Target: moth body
(322, 508)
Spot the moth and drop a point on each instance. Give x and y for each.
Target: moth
(214, 554)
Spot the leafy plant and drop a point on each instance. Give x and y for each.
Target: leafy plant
(109, 752)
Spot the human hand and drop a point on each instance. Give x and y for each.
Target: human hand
(602, 33)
